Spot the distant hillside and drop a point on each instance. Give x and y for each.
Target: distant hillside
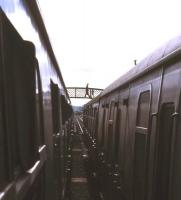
(77, 108)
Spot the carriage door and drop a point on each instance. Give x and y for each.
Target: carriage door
(55, 97)
(141, 141)
(168, 164)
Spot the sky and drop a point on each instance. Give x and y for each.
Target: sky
(97, 41)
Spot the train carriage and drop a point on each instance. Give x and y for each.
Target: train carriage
(35, 108)
(138, 129)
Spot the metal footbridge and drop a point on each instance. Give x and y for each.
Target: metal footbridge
(83, 92)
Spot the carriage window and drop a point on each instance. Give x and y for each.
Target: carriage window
(23, 73)
(19, 98)
(143, 109)
(20, 102)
